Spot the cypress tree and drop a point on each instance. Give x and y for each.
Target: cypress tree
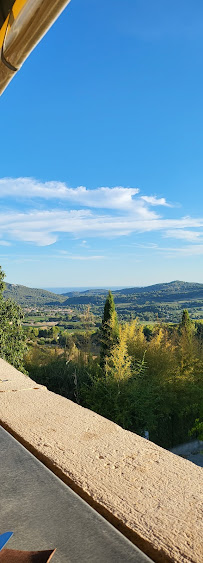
(109, 330)
(186, 325)
(186, 320)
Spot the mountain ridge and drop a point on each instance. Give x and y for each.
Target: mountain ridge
(21, 293)
(177, 284)
(30, 295)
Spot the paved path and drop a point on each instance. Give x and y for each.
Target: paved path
(44, 513)
(196, 458)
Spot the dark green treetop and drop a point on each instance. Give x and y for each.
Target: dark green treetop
(186, 320)
(186, 325)
(109, 329)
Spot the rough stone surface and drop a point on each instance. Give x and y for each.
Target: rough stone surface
(152, 495)
(13, 380)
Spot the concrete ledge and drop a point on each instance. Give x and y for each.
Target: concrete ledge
(148, 493)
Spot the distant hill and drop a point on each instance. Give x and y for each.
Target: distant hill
(160, 301)
(171, 287)
(169, 291)
(68, 290)
(31, 297)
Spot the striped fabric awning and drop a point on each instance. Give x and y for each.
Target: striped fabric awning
(22, 25)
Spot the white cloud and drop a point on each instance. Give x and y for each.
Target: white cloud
(189, 250)
(104, 197)
(77, 257)
(43, 227)
(117, 198)
(193, 236)
(104, 212)
(40, 238)
(153, 200)
(69, 256)
(4, 243)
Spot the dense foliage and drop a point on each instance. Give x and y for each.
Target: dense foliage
(151, 380)
(12, 339)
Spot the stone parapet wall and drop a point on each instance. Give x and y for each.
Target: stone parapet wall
(151, 495)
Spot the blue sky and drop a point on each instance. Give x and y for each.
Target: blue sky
(101, 153)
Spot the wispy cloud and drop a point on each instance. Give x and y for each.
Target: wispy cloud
(193, 236)
(153, 200)
(116, 198)
(4, 243)
(105, 197)
(76, 257)
(83, 213)
(69, 256)
(44, 227)
(188, 250)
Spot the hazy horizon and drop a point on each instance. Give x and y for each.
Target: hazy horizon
(66, 289)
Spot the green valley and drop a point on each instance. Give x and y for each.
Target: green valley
(160, 302)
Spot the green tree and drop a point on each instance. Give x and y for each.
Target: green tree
(186, 323)
(109, 330)
(120, 361)
(12, 338)
(197, 429)
(199, 331)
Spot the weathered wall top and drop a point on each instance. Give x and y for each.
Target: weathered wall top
(151, 495)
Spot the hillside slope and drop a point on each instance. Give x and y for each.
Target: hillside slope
(164, 301)
(31, 297)
(176, 290)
